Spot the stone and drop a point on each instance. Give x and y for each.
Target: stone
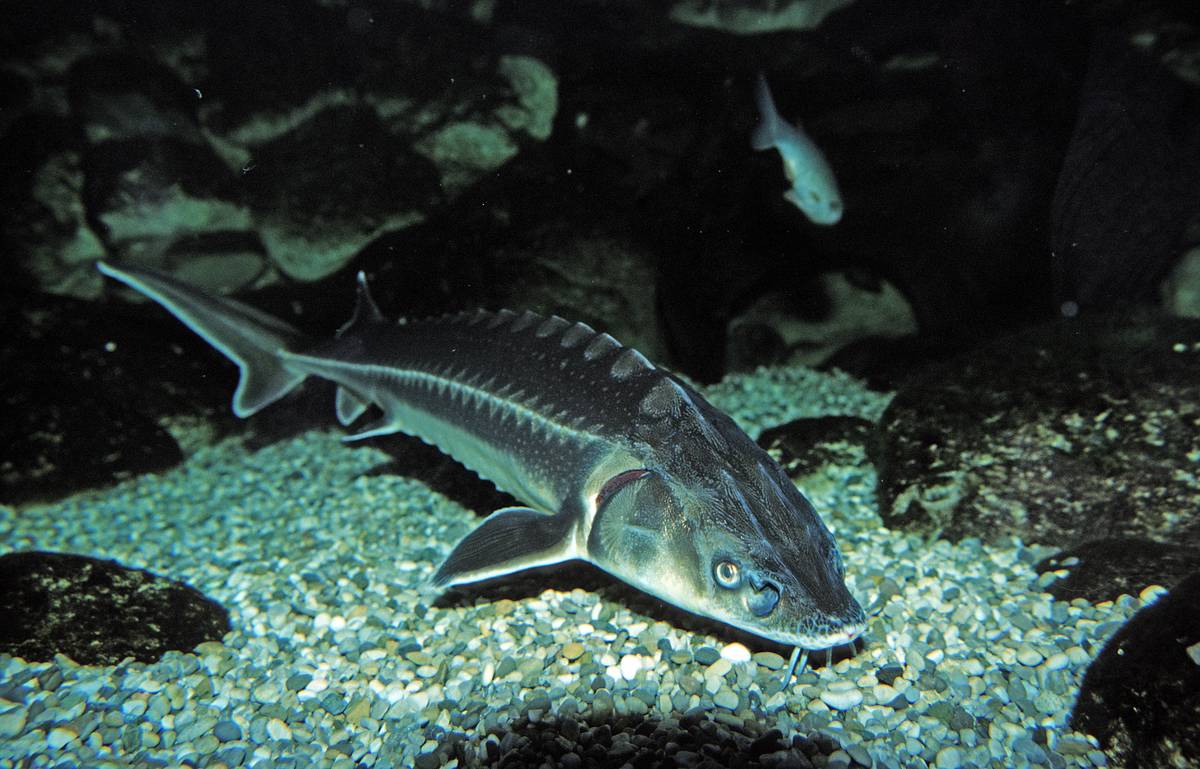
(1102, 569)
(98, 612)
(227, 731)
(841, 697)
(1141, 695)
(959, 456)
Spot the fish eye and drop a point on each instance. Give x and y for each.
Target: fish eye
(727, 574)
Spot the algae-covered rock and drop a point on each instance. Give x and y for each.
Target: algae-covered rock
(1066, 432)
(1141, 696)
(208, 149)
(98, 612)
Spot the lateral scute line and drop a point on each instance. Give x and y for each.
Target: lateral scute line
(440, 384)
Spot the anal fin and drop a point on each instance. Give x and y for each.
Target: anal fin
(509, 540)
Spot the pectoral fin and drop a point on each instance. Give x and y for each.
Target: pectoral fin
(509, 540)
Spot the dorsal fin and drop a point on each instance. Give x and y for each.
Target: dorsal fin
(366, 311)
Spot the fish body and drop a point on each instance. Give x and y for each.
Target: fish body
(814, 188)
(619, 463)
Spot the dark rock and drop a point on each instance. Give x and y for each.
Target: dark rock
(82, 395)
(165, 201)
(98, 612)
(118, 96)
(813, 321)
(1141, 696)
(306, 189)
(1106, 568)
(1062, 433)
(307, 160)
(804, 447)
(1128, 183)
(695, 739)
(889, 673)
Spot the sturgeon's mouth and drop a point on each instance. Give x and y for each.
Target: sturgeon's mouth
(846, 634)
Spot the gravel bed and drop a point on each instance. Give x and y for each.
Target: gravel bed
(340, 656)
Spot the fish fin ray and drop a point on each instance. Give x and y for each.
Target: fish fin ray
(511, 539)
(247, 336)
(366, 312)
(766, 133)
(385, 425)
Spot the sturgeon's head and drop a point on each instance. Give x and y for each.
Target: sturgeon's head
(713, 525)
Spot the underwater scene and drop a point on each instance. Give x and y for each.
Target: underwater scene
(780, 384)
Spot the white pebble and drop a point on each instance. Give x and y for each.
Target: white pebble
(60, 737)
(948, 758)
(719, 668)
(735, 652)
(884, 693)
(973, 667)
(1057, 661)
(1029, 656)
(1152, 593)
(278, 730)
(631, 665)
(841, 697)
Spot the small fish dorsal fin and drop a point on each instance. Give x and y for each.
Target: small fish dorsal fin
(365, 310)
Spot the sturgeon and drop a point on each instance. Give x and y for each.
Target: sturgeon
(618, 462)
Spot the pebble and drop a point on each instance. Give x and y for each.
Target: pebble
(839, 759)
(769, 660)
(1029, 656)
(735, 652)
(1152, 593)
(572, 651)
(861, 755)
(719, 668)
(948, 758)
(726, 698)
(133, 707)
(12, 723)
(59, 737)
(278, 730)
(631, 665)
(227, 731)
(842, 695)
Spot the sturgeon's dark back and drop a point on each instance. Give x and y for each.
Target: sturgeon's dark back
(550, 393)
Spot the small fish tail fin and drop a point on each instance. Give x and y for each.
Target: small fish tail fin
(767, 131)
(248, 337)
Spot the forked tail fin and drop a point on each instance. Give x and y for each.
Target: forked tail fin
(248, 337)
(767, 132)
